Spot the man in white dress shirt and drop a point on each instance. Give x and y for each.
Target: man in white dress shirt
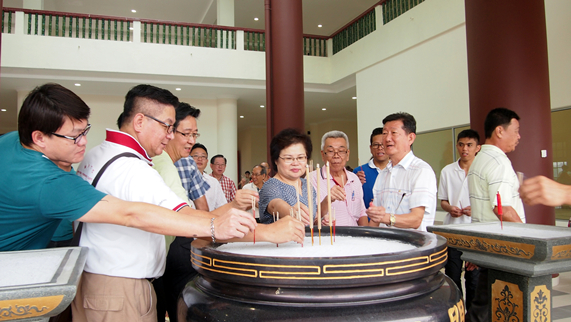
(214, 195)
(405, 191)
(455, 199)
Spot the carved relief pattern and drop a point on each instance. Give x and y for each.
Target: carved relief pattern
(20, 311)
(491, 247)
(507, 302)
(541, 306)
(561, 252)
(457, 312)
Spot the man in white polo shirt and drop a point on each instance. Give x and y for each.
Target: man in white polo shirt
(405, 191)
(455, 199)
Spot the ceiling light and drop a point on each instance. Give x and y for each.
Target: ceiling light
(324, 109)
(3, 110)
(319, 26)
(262, 106)
(241, 116)
(256, 19)
(133, 10)
(177, 89)
(77, 84)
(354, 97)
(131, 28)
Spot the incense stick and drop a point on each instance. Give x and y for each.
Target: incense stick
(318, 201)
(254, 213)
(329, 202)
(309, 201)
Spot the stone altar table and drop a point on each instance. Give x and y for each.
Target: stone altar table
(521, 259)
(38, 284)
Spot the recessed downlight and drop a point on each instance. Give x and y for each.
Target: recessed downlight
(319, 26)
(324, 109)
(241, 116)
(256, 19)
(262, 106)
(77, 84)
(177, 89)
(133, 10)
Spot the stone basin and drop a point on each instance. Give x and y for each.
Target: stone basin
(38, 284)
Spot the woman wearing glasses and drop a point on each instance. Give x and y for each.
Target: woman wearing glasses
(289, 150)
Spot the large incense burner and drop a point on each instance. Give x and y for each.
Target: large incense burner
(384, 286)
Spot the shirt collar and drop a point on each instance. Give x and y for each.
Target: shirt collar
(126, 140)
(404, 162)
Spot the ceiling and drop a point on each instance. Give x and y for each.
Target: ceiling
(331, 14)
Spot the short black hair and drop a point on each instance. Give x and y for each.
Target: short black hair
(496, 117)
(150, 92)
(247, 172)
(377, 131)
(469, 133)
(199, 146)
(218, 156)
(183, 110)
(408, 121)
(283, 140)
(45, 109)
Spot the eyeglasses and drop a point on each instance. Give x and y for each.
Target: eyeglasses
(219, 164)
(77, 138)
(188, 135)
(288, 160)
(332, 152)
(200, 157)
(169, 127)
(376, 146)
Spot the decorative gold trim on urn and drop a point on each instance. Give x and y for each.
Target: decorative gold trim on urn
(28, 307)
(489, 245)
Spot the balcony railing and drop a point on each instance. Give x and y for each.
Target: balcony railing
(72, 25)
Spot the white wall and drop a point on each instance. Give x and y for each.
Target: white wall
(557, 13)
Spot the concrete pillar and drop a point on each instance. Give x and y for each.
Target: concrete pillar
(225, 12)
(508, 67)
(284, 66)
(228, 135)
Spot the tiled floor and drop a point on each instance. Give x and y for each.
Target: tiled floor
(561, 298)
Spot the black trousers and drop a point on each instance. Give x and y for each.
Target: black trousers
(453, 269)
(480, 309)
(178, 273)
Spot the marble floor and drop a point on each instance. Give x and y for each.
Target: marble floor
(562, 299)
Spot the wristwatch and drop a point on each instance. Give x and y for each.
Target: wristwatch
(392, 220)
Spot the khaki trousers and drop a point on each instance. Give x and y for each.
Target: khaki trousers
(102, 298)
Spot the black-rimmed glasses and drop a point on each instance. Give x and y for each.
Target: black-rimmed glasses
(77, 138)
(188, 135)
(169, 127)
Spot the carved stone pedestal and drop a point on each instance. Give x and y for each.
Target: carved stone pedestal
(520, 259)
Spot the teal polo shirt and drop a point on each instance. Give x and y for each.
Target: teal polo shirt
(35, 195)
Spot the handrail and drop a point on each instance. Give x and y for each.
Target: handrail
(357, 18)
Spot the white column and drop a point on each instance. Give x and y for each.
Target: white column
(228, 135)
(19, 23)
(379, 16)
(136, 31)
(225, 12)
(240, 40)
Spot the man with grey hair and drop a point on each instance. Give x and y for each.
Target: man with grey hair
(259, 176)
(346, 191)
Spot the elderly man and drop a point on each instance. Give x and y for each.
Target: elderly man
(214, 196)
(492, 173)
(346, 191)
(369, 171)
(259, 176)
(218, 166)
(405, 191)
(121, 260)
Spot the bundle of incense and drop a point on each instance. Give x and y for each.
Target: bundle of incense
(500, 210)
(274, 215)
(318, 201)
(254, 213)
(329, 201)
(309, 201)
(334, 220)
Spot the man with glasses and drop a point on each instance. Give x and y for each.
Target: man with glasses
(214, 196)
(259, 176)
(218, 166)
(405, 191)
(346, 190)
(369, 171)
(121, 261)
